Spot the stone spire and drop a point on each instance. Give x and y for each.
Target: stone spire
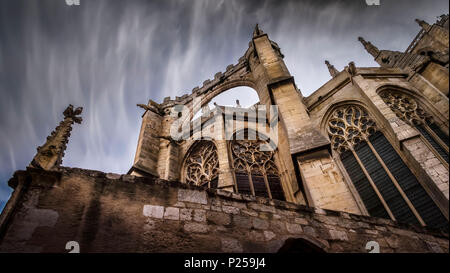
(423, 24)
(257, 31)
(51, 153)
(332, 69)
(373, 50)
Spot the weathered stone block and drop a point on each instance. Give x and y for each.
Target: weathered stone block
(242, 221)
(153, 211)
(172, 213)
(192, 196)
(434, 247)
(310, 231)
(260, 223)
(128, 178)
(199, 215)
(230, 210)
(269, 235)
(294, 228)
(113, 176)
(255, 235)
(249, 212)
(278, 226)
(179, 205)
(186, 214)
(261, 207)
(301, 221)
(338, 235)
(195, 227)
(218, 218)
(231, 245)
(239, 205)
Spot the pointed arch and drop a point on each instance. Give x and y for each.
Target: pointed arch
(411, 110)
(302, 244)
(201, 164)
(255, 170)
(386, 185)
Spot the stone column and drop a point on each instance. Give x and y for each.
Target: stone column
(147, 152)
(297, 135)
(226, 176)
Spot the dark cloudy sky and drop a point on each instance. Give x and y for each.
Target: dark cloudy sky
(108, 55)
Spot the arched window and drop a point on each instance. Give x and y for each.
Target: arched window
(408, 110)
(202, 164)
(255, 170)
(385, 184)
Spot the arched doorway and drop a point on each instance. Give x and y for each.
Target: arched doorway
(300, 246)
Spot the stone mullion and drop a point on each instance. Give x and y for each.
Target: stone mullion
(250, 181)
(233, 170)
(396, 184)
(172, 162)
(375, 188)
(227, 179)
(436, 138)
(433, 150)
(266, 181)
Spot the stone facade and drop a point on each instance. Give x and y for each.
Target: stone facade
(352, 166)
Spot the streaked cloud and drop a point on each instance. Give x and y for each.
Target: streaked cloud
(108, 55)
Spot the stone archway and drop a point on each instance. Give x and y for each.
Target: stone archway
(300, 246)
(166, 125)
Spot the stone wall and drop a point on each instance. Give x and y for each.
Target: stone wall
(147, 152)
(325, 184)
(124, 213)
(428, 161)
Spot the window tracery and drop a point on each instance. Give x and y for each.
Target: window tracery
(406, 108)
(410, 111)
(255, 170)
(202, 164)
(349, 126)
(385, 184)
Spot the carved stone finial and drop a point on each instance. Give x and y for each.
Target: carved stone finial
(257, 31)
(423, 24)
(373, 50)
(332, 69)
(51, 153)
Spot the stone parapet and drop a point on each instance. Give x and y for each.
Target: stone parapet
(124, 213)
